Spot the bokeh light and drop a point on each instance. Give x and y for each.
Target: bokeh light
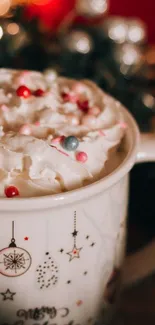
(13, 28)
(1, 32)
(4, 6)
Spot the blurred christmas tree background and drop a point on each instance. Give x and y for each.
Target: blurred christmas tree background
(80, 39)
(86, 39)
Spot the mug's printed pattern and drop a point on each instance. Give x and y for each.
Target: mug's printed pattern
(75, 252)
(96, 233)
(90, 242)
(47, 273)
(7, 295)
(70, 281)
(14, 261)
(47, 316)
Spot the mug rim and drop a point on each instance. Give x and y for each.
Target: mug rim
(80, 194)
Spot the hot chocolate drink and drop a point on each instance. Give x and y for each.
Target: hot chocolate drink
(56, 134)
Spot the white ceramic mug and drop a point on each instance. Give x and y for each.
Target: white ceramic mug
(61, 255)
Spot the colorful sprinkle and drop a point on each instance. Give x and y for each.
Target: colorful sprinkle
(70, 143)
(69, 97)
(101, 133)
(39, 93)
(65, 97)
(25, 130)
(23, 91)
(83, 106)
(11, 191)
(26, 238)
(64, 153)
(37, 123)
(73, 98)
(81, 156)
(21, 80)
(58, 139)
(21, 77)
(25, 72)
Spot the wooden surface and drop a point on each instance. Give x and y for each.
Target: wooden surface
(138, 304)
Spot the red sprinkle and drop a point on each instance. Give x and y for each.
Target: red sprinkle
(39, 93)
(69, 97)
(64, 153)
(73, 98)
(58, 139)
(66, 97)
(81, 156)
(79, 302)
(11, 191)
(23, 91)
(101, 133)
(83, 106)
(37, 123)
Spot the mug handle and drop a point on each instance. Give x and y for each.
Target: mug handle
(142, 263)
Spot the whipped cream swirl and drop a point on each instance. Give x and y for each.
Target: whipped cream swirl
(31, 157)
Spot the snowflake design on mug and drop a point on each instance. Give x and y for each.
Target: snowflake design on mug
(15, 261)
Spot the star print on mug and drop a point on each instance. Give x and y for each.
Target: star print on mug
(75, 252)
(8, 295)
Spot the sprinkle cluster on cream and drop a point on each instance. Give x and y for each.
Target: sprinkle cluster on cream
(36, 114)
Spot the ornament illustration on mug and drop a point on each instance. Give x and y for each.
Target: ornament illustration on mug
(75, 252)
(47, 270)
(14, 260)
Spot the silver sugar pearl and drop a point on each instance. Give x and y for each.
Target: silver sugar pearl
(91, 8)
(70, 143)
(78, 41)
